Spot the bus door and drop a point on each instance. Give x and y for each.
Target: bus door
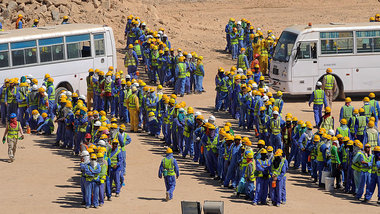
(100, 60)
(305, 66)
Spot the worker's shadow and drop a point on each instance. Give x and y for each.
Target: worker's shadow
(151, 199)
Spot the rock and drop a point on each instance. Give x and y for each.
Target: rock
(6, 14)
(63, 9)
(41, 9)
(12, 6)
(96, 3)
(55, 14)
(21, 7)
(58, 3)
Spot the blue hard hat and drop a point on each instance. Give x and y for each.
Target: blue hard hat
(13, 115)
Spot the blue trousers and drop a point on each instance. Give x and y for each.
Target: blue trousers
(365, 178)
(189, 146)
(23, 115)
(132, 71)
(283, 191)
(350, 183)
(51, 109)
(275, 193)
(240, 44)
(317, 113)
(212, 162)
(154, 73)
(115, 177)
(115, 106)
(314, 169)
(170, 185)
(305, 164)
(250, 190)
(45, 128)
(101, 193)
(168, 138)
(174, 138)
(78, 141)
(92, 190)
(261, 190)
(320, 166)
(228, 46)
(108, 187)
(243, 117)
(197, 150)
(275, 141)
(187, 84)
(3, 112)
(295, 155)
(234, 51)
(100, 103)
(69, 136)
(82, 188)
(220, 169)
(61, 131)
(373, 181)
(231, 171)
(181, 85)
(221, 103)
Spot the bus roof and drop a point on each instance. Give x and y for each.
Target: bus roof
(334, 27)
(49, 31)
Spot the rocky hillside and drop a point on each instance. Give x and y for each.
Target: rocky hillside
(50, 12)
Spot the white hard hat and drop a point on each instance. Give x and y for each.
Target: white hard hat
(165, 36)
(82, 97)
(97, 123)
(331, 132)
(102, 143)
(258, 29)
(275, 113)
(319, 83)
(197, 113)
(84, 153)
(266, 89)
(189, 56)
(136, 84)
(239, 23)
(127, 76)
(134, 88)
(29, 76)
(240, 71)
(44, 87)
(205, 121)
(149, 37)
(180, 54)
(68, 93)
(143, 24)
(265, 98)
(254, 85)
(211, 118)
(34, 87)
(181, 110)
(28, 81)
(160, 32)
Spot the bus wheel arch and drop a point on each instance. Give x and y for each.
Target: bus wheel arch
(61, 87)
(339, 92)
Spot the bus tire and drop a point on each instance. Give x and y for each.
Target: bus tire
(339, 92)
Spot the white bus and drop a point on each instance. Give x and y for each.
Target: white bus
(303, 53)
(66, 52)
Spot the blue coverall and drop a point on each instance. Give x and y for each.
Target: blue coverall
(170, 181)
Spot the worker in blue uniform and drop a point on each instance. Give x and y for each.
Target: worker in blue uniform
(318, 97)
(170, 170)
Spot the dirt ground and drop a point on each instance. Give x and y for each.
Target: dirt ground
(46, 179)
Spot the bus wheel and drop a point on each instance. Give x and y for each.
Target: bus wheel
(339, 92)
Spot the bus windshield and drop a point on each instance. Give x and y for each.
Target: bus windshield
(284, 46)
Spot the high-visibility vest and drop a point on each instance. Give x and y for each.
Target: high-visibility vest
(333, 157)
(277, 102)
(3, 94)
(327, 123)
(187, 131)
(263, 48)
(373, 103)
(212, 145)
(362, 124)
(241, 35)
(357, 165)
(242, 62)
(344, 155)
(262, 125)
(260, 173)
(154, 57)
(344, 133)
(234, 41)
(352, 126)
(52, 94)
(275, 126)
(95, 176)
(132, 104)
(347, 112)
(367, 111)
(373, 136)
(319, 96)
(11, 96)
(277, 171)
(313, 153)
(129, 60)
(252, 177)
(23, 98)
(108, 86)
(13, 132)
(366, 167)
(137, 49)
(223, 87)
(182, 70)
(90, 84)
(329, 79)
(243, 162)
(168, 166)
(319, 153)
(374, 169)
(198, 71)
(113, 158)
(125, 140)
(42, 105)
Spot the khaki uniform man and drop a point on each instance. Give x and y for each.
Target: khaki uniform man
(329, 86)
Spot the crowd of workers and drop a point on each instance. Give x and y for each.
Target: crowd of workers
(20, 22)
(249, 46)
(184, 71)
(375, 18)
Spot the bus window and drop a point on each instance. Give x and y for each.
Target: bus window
(336, 42)
(368, 41)
(284, 47)
(304, 51)
(51, 49)
(4, 55)
(99, 44)
(78, 46)
(24, 52)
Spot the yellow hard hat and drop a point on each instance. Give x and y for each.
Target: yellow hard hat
(278, 153)
(348, 100)
(93, 156)
(103, 136)
(44, 115)
(346, 139)
(102, 113)
(270, 149)
(262, 108)
(261, 142)
(328, 109)
(159, 87)
(279, 93)
(20, 15)
(372, 119)
(65, 17)
(115, 141)
(367, 145)
(123, 127)
(366, 99)
(350, 143)
(151, 114)
(250, 155)
(36, 21)
(361, 110)
(376, 149)
(356, 111)
(114, 126)
(339, 136)
(237, 137)
(328, 70)
(40, 89)
(262, 78)
(99, 155)
(317, 138)
(169, 151)
(371, 95)
(190, 110)
(263, 151)
(68, 104)
(343, 121)
(371, 124)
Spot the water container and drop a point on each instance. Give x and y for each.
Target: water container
(329, 184)
(324, 175)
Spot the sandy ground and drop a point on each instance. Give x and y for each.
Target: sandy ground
(46, 179)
